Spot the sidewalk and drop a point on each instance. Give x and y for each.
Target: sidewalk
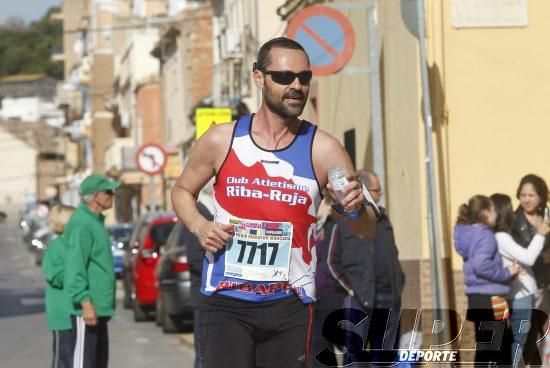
(187, 339)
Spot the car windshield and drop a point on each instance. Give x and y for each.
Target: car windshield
(160, 233)
(121, 234)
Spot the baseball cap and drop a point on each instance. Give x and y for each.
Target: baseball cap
(96, 183)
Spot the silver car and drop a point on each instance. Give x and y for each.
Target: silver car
(174, 310)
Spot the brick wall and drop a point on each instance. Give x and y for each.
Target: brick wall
(149, 109)
(197, 41)
(102, 80)
(102, 134)
(418, 294)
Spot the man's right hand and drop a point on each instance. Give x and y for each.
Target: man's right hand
(88, 313)
(213, 235)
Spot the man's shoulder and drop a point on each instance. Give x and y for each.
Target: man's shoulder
(78, 221)
(325, 140)
(216, 139)
(217, 133)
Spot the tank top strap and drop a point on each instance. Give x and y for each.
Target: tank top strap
(243, 125)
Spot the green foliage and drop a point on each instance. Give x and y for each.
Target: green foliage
(27, 49)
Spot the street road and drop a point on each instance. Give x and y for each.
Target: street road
(26, 342)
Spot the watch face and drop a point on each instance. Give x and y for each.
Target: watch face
(151, 159)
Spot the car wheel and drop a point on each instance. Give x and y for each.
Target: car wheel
(140, 314)
(127, 300)
(158, 312)
(171, 324)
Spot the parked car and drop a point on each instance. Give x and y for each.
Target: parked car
(120, 240)
(138, 236)
(144, 257)
(34, 219)
(174, 307)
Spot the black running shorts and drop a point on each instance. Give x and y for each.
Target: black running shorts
(237, 333)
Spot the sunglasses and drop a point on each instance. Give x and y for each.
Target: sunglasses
(287, 77)
(109, 192)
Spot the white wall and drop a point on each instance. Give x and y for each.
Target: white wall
(143, 65)
(31, 109)
(18, 163)
(175, 7)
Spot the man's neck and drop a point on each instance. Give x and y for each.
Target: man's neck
(273, 125)
(95, 207)
(272, 131)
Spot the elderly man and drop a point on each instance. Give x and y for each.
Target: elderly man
(89, 273)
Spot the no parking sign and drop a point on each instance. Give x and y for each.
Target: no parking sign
(326, 35)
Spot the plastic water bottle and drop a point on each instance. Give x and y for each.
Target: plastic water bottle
(338, 180)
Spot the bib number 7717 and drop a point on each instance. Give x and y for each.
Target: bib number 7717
(259, 251)
(252, 252)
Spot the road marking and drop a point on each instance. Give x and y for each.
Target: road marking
(143, 340)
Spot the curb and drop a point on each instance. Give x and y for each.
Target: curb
(187, 340)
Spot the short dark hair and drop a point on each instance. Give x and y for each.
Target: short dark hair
(264, 55)
(540, 187)
(505, 212)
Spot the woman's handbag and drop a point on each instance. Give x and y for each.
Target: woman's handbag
(501, 310)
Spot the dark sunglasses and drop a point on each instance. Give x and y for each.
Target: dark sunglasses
(287, 77)
(109, 192)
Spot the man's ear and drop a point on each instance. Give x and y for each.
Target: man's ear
(259, 79)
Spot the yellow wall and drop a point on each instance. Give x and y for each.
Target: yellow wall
(344, 103)
(497, 91)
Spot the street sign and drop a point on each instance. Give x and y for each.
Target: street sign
(151, 159)
(326, 35)
(205, 117)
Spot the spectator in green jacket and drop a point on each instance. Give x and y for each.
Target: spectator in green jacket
(89, 272)
(53, 267)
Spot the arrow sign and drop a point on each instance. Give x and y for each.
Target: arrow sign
(151, 159)
(326, 35)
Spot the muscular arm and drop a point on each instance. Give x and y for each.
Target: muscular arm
(204, 161)
(327, 152)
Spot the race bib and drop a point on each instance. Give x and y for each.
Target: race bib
(259, 250)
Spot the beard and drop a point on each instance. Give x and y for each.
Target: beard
(278, 105)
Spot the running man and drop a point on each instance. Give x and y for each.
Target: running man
(258, 279)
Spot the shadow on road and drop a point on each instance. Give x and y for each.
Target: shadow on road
(15, 303)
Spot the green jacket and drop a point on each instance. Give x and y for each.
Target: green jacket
(57, 302)
(89, 274)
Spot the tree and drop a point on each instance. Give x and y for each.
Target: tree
(28, 48)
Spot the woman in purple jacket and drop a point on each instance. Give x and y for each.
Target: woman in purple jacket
(484, 277)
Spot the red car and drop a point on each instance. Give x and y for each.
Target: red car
(146, 257)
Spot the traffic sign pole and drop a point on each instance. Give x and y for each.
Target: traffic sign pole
(151, 159)
(152, 195)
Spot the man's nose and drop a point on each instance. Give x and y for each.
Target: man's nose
(296, 84)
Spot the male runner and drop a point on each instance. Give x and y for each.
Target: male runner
(259, 268)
